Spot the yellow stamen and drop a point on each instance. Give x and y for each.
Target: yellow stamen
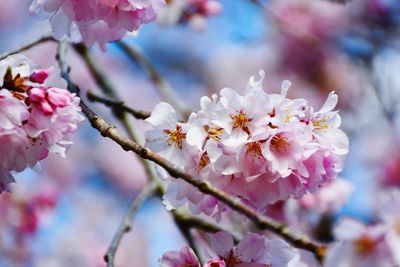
(176, 136)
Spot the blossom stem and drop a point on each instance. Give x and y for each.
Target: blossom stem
(165, 89)
(205, 225)
(184, 222)
(126, 224)
(33, 43)
(261, 221)
(96, 72)
(120, 105)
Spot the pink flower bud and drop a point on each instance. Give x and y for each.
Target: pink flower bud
(59, 97)
(39, 76)
(37, 94)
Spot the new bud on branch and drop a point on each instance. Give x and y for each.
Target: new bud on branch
(37, 115)
(258, 147)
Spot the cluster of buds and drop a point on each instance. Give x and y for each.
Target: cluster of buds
(36, 115)
(259, 147)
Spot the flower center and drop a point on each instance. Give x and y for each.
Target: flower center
(231, 260)
(254, 149)
(203, 162)
(365, 245)
(288, 116)
(214, 132)
(240, 120)
(279, 144)
(176, 136)
(320, 123)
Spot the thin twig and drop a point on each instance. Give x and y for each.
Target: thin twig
(202, 224)
(120, 105)
(110, 91)
(165, 89)
(27, 46)
(126, 223)
(261, 221)
(97, 73)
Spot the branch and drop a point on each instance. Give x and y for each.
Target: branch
(27, 46)
(165, 89)
(120, 105)
(120, 110)
(126, 223)
(97, 73)
(202, 224)
(261, 221)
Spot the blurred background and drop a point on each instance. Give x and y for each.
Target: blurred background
(65, 212)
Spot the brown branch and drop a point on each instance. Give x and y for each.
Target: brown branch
(126, 223)
(120, 110)
(202, 224)
(27, 46)
(165, 89)
(120, 105)
(97, 73)
(261, 221)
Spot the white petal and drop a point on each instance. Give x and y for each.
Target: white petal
(330, 103)
(163, 116)
(349, 229)
(285, 87)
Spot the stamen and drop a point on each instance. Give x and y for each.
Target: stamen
(365, 245)
(176, 136)
(279, 144)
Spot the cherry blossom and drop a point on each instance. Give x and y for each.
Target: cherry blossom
(37, 114)
(183, 258)
(95, 21)
(259, 147)
(253, 250)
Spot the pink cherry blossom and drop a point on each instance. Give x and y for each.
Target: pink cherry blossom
(253, 250)
(93, 21)
(183, 258)
(169, 136)
(259, 147)
(36, 118)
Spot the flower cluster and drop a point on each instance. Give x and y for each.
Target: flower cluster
(258, 147)
(95, 21)
(254, 250)
(189, 11)
(36, 115)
